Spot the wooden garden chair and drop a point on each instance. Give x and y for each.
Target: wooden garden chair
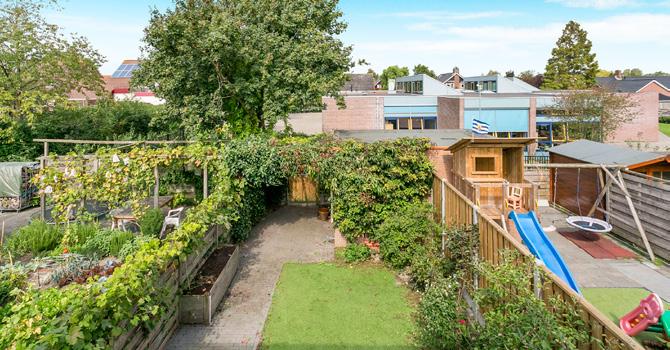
(514, 197)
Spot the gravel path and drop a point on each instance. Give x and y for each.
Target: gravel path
(289, 234)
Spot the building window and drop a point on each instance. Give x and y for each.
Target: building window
(410, 123)
(484, 165)
(665, 175)
(403, 123)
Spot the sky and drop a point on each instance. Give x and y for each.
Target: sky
(475, 36)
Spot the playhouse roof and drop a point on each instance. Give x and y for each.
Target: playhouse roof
(503, 142)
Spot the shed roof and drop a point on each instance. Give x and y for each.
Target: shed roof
(601, 153)
(438, 137)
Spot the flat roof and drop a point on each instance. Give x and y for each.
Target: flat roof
(602, 153)
(515, 141)
(437, 137)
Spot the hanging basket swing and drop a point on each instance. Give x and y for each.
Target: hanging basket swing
(590, 224)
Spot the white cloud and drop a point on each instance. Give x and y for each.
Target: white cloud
(450, 16)
(633, 40)
(596, 4)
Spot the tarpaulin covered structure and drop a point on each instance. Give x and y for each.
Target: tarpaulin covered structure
(16, 191)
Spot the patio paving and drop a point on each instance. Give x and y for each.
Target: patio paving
(14, 220)
(605, 273)
(290, 234)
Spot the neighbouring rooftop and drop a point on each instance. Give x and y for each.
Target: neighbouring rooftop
(437, 137)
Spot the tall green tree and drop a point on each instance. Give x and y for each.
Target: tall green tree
(632, 72)
(39, 65)
(423, 69)
(532, 78)
(243, 63)
(392, 72)
(572, 65)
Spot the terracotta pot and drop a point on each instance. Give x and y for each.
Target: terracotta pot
(323, 213)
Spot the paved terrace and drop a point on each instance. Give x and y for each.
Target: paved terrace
(604, 273)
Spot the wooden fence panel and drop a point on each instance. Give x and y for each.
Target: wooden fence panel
(650, 197)
(493, 239)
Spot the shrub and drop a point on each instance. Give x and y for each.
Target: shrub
(356, 252)
(105, 243)
(118, 240)
(513, 317)
(526, 320)
(151, 222)
(77, 234)
(11, 278)
(403, 235)
(442, 318)
(428, 266)
(664, 120)
(133, 245)
(36, 238)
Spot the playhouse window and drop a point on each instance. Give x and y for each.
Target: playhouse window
(485, 164)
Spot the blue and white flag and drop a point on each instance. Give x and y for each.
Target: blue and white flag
(480, 127)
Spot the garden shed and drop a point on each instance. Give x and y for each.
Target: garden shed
(16, 190)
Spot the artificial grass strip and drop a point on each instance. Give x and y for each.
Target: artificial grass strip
(328, 306)
(615, 302)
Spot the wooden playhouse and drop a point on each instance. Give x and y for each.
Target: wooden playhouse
(489, 170)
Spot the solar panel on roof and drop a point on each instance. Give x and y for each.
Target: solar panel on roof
(125, 71)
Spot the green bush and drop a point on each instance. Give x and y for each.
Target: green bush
(664, 120)
(105, 243)
(355, 252)
(118, 240)
(77, 234)
(10, 279)
(151, 222)
(133, 245)
(513, 317)
(402, 236)
(528, 322)
(36, 238)
(442, 318)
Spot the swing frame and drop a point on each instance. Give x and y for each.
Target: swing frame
(614, 177)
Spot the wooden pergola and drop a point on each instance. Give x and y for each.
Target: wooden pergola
(120, 144)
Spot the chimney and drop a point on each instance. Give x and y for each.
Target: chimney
(618, 75)
(391, 87)
(457, 78)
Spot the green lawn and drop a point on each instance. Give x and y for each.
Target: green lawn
(329, 306)
(665, 128)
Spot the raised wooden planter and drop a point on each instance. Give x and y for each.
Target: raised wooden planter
(199, 304)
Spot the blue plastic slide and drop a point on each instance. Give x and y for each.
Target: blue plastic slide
(540, 245)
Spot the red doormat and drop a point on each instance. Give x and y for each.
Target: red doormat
(598, 246)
